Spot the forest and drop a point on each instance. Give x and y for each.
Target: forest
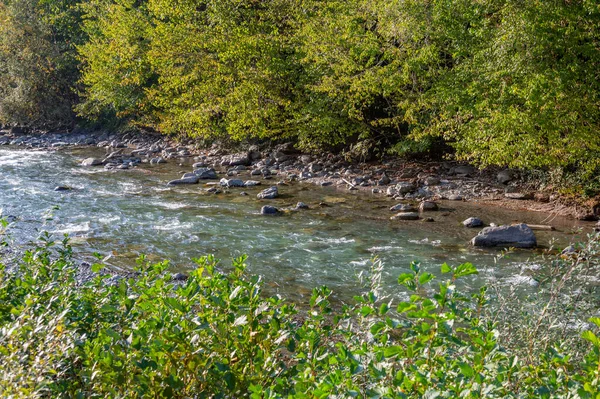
(494, 82)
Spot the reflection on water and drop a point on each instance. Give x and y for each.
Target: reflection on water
(128, 213)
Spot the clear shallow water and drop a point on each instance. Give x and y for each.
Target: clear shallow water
(127, 213)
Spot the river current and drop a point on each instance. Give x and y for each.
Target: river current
(122, 214)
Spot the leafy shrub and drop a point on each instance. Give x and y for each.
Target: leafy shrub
(217, 335)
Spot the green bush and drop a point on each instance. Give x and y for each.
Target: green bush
(217, 335)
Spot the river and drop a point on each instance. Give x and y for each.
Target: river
(122, 214)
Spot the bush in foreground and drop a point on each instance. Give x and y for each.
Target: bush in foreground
(217, 335)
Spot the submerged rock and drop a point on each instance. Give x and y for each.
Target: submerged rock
(269, 193)
(518, 236)
(184, 180)
(406, 216)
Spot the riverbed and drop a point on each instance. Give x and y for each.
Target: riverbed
(123, 214)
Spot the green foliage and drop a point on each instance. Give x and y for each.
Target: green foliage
(218, 335)
(505, 82)
(38, 65)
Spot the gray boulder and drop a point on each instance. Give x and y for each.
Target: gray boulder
(518, 236)
(236, 159)
(205, 173)
(504, 176)
(251, 183)
(184, 180)
(231, 183)
(269, 210)
(301, 205)
(428, 206)
(472, 222)
(405, 187)
(269, 193)
(91, 162)
(403, 208)
(406, 216)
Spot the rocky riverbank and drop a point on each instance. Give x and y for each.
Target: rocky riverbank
(401, 180)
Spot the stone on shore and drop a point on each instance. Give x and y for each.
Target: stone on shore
(504, 176)
(269, 193)
(472, 222)
(236, 159)
(518, 236)
(91, 162)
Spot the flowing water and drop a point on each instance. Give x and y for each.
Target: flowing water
(127, 213)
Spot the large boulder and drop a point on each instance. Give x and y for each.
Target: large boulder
(518, 236)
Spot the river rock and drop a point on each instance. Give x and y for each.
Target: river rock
(251, 183)
(236, 159)
(91, 162)
(431, 181)
(472, 222)
(231, 183)
(465, 170)
(518, 196)
(301, 205)
(156, 161)
(315, 167)
(428, 206)
(518, 236)
(184, 180)
(504, 176)
(269, 210)
(269, 193)
(406, 216)
(205, 173)
(405, 187)
(384, 181)
(403, 208)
